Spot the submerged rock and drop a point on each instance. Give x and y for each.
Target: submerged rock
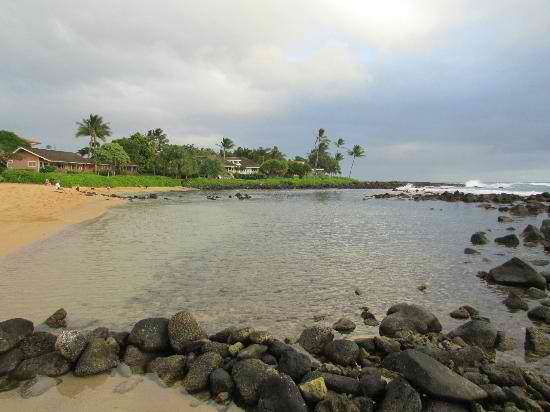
(38, 386)
(98, 356)
(478, 332)
(516, 272)
(508, 240)
(8, 383)
(183, 330)
(536, 293)
(479, 238)
(460, 313)
(433, 378)
(532, 235)
(344, 325)
(405, 317)
(150, 334)
(315, 338)
(470, 251)
(536, 342)
(58, 319)
(127, 385)
(12, 331)
(515, 302)
(541, 313)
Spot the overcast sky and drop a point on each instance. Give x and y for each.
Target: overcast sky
(433, 89)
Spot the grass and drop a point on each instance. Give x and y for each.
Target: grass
(92, 180)
(88, 179)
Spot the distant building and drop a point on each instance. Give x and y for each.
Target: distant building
(241, 165)
(35, 159)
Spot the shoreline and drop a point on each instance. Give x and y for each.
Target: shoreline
(31, 213)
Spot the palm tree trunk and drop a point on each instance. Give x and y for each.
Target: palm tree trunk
(351, 168)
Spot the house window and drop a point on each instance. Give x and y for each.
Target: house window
(31, 163)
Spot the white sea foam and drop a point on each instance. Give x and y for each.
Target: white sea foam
(480, 184)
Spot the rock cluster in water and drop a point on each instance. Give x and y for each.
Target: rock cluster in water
(411, 366)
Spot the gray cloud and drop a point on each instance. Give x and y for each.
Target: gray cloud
(434, 89)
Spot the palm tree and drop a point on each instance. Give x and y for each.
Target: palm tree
(321, 141)
(158, 138)
(355, 151)
(95, 128)
(226, 144)
(339, 143)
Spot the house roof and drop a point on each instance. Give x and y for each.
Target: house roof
(56, 155)
(244, 162)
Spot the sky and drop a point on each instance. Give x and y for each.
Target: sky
(434, 90)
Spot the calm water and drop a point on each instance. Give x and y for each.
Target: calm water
(274, 261)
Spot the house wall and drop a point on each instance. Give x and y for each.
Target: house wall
(22, 161)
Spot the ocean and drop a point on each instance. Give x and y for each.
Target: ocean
(479, 187)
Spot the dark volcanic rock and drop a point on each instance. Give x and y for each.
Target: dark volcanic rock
(223, 336)
(12, 331)
(515, 302)
(248, 376)
(342, 352)
(279, 393)
(536, 293)
(432, 377)
(532, 235)
(315, 338)
(470, 251)
(373, 386)
(479, 238)
(441, 406)
(504, 375)
(294, 364)
(505, 219)
(197, 378)
(508, 240)
(183, 331)
(8, 383)
(545, 229)
(169, 369)
(277, 347)
(71, 344)
(98, 356)
(218, 347)
(516, 272)
(344, 325)
(220, 381)
(240, 335)
(10, 360)
(336, 403)
(460, 313)
(137, 359)
(404, 317)
(400, 397)
(150, 335)
(541, 313)
(253, 351)
(478, 332)
(342, 384)
(51, 364)
(536, 342)
(39, 343)
(58, 319)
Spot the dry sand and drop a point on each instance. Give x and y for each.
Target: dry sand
(34, 212)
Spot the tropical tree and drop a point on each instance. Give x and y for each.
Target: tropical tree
(298, 168)
(178, 161)
(158, 138)
(112, 154)
(226, 144)
(140, 149)
(9, 141)
(95, 128)
(211, 166)
(273, 167)
(321, 144)
(355, 152)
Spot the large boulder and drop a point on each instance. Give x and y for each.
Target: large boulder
(169, 369)
(373, 386)
(10, 360)
(508, 240)
(514, 302)
(315, 338)
(137, 359)
(342, 384)
(344, 325)
(248, 376)
(432, 377)
(405, 317)
(39, 343)
(197, 378)
(342, 352)
(279, 393)
(220, 381)
(516, 272)
(183, 331)
(532, 235)
(51, 364)
(400, 397)
(150, 335)
(294, 364)
(540, 313)
(71, 344)
(98, 356)
(478, 332)
(12, 331)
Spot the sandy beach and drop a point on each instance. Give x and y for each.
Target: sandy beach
(29, 213)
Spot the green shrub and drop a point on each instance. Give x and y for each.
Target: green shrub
(47, 169)
(307, 182)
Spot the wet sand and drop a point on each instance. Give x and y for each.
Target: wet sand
(30, 213)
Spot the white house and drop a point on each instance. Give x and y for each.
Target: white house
(241, 165)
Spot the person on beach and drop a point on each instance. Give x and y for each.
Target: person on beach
(47, 182)
(57, 185)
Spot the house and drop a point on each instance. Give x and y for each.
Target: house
(34, 159)
(241, 165)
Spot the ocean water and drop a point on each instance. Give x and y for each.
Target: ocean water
(479, 187)
(273, 262)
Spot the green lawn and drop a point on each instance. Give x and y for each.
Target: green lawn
(92, 180)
